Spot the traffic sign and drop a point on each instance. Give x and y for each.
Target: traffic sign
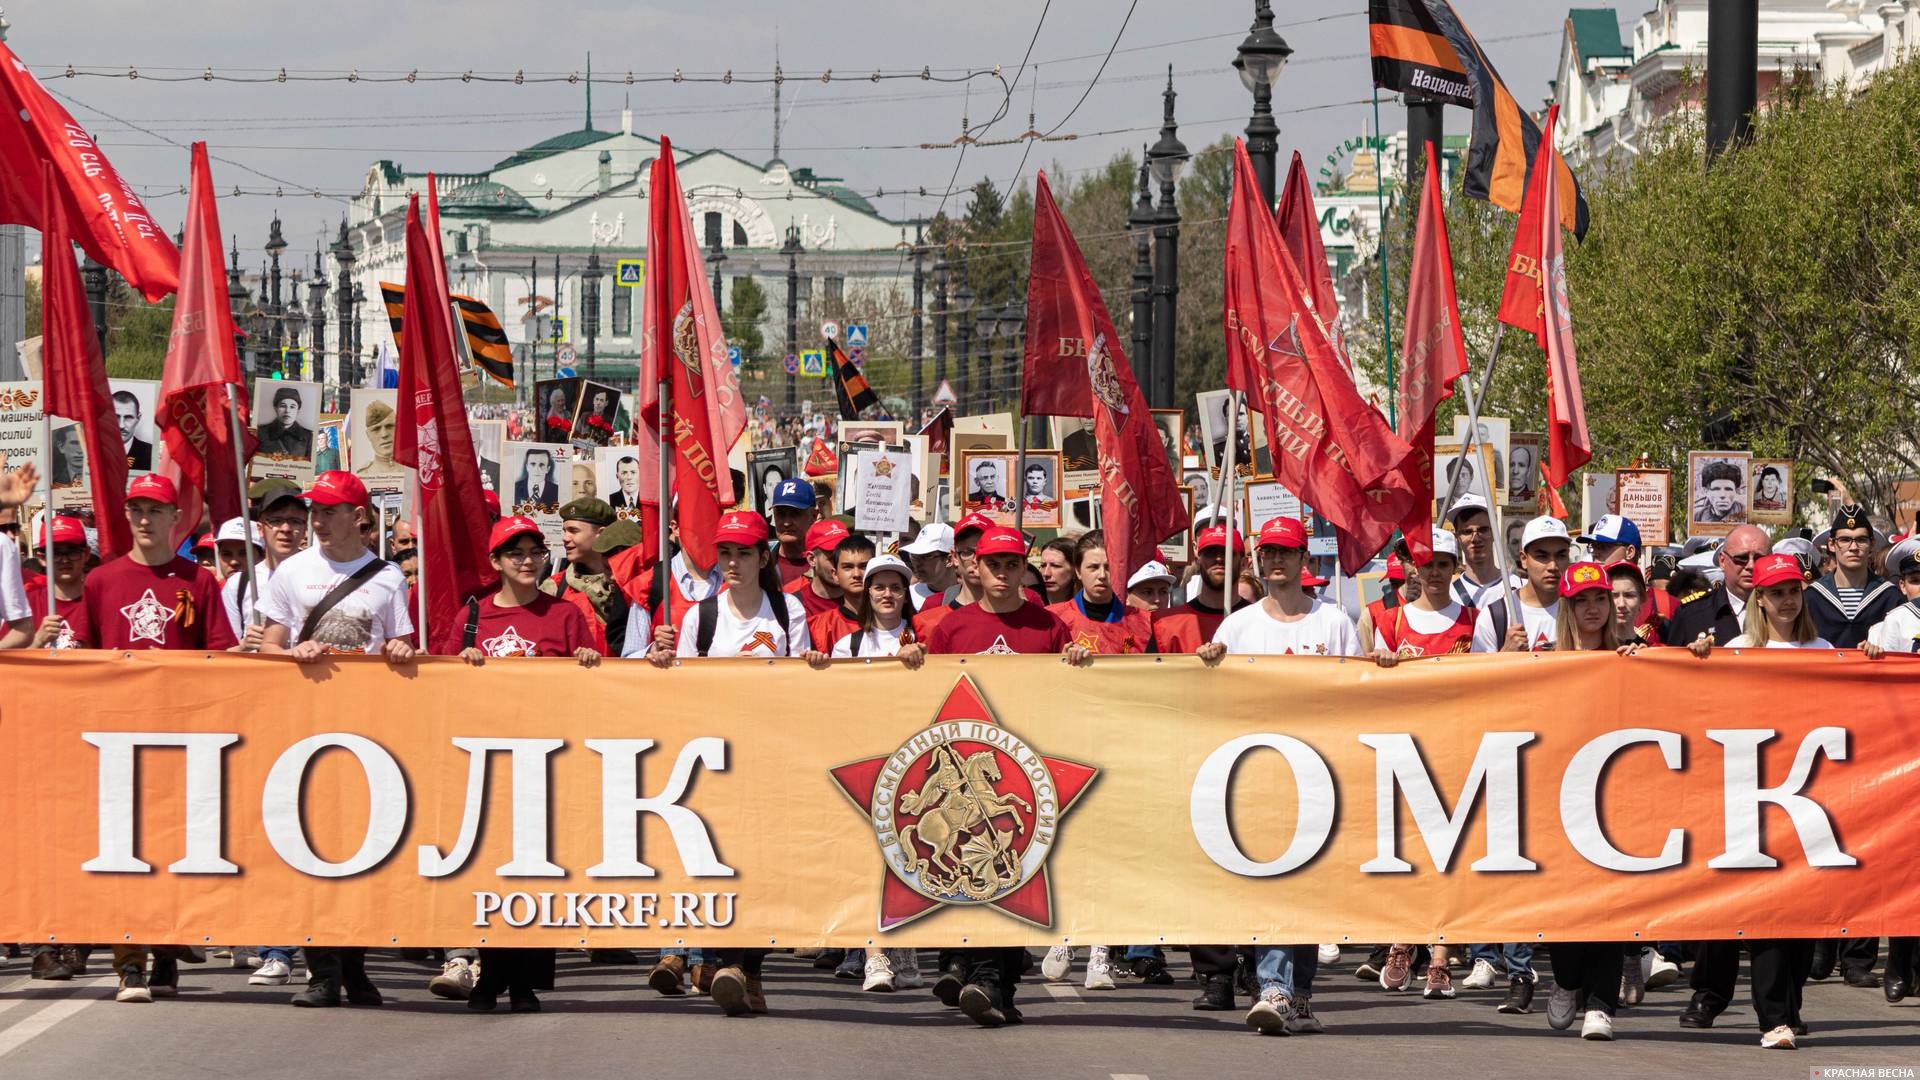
(856, 335)
(630, 272)
(792, 364)
(944, 395)
(829, 329)
(858, 356)
(565, 354)
(813, 363)
(557, 328)
(564, 373)
(733, 355)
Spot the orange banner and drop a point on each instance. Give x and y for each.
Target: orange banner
(173, 798)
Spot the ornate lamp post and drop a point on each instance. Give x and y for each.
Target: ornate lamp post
(1141, 222)
(1260, 59)
(963, 329)
(272, 307)
(1013, 319)
(1164, 162)
(343, 305)
(590, 305)
(941, 275)
(792, 249)
(986, 323)
(317, 314)
(296, 320)
(93, 278)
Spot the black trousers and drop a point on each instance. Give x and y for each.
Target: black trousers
(996, 968)
(1779, 976)
(507, 970)
(1901, 955)
(1209, 960)
(1857, 954)
(749, 961)
(343, 967)
(1593, 966)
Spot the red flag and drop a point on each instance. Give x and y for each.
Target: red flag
(1300, 228)
(821, 460)
(1073, 349)
(202, 361)
(1521, 300)
(1329, 446)
(1568, 444)
(939, 433)
(435, 442)
(75, 374)
(1433, 352)
(682, 341)
(102, 213)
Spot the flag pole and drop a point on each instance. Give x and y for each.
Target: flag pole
(246, 512)
(1225, 501)
(46, 510)
(419, 570)
(663, 562)
(1474, 401)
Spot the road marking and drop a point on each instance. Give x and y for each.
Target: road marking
(20, 1034)
(1128, 1076)
(1063, 992)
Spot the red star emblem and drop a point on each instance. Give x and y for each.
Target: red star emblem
(965, 813)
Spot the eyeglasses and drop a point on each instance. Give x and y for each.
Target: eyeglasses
(524, 555)
(285, 523)
(1852, 541)
(1478, 530)
(1740, 558)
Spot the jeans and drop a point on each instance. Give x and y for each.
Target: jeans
(1289, 968)
(1142, 952)
(282, 953)
(1513, 957)
(694, 956)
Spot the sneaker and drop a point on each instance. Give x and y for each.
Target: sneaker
(164, 979)
(730, 991)
(981, 1006)
(1058, 964)
(1269, 1014)
(879, 974)
(1301, 1021)
(666, 975)
(133, 986)
(1482, 977)
(47, 965)
(852, 966)
(1661, 971)
(906, 969)
(1099, 971)
(1563, 1005)
(1150, 970)
(1398, 970)
(952, 978)
(1439, 983)
(1519, 997)
(1598, 1026)
(455, 981)
(1633, 980)
(272, 972)
(1329, 954)
(1369, 968)
(1780, 1038)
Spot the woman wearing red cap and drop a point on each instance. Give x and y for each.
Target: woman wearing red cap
(1585, 619)
(1095, 616)
(1432, 622)
(1780, 620)
(66, 626)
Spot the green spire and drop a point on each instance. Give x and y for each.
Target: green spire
(589, 92)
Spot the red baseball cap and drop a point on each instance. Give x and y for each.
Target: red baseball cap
(66, 530)
(507, 530)
(1284, 532)
(1396, 570)
(1776, 570)
(1215, 536)
(741, 527)
(1311, 580)
(336, 488)
(1627, 566)
(492, 499)
(1000, 540)
(825, 535)
(974, 522)
(1583, 577)
(154, 488)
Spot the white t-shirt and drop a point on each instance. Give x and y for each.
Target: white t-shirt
(1898, 632)
(922, 593)
(875, 642)
(13, 590)
(256, 591)
(1473, 593)
(1324, 630)
(1420, 620)
(756, 637)
(362, 622)
(1541, 624)
(1744, 642)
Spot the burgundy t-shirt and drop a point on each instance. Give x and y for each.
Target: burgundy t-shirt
(973, 630)
(812, 602)
(177, 606)
(546, 627)
(791, 570)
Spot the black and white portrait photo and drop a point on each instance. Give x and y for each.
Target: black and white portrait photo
(284, 414)
(767, 470)
(535, 468)
(133, 406)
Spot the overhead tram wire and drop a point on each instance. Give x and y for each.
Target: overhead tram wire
(1035, 135)
(966, 136)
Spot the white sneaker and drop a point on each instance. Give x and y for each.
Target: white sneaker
(274, 972)
(1780, 1038)
(1661, 972)
(1058, 964)
(454, 982)
(906, 969)
(879, 974)
(1599, 1026)
(1099, 970)
(1482, 977)
(1329, 954)
(1269, 1014)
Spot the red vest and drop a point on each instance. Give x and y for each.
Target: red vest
(1132, 634)
(1404, 640)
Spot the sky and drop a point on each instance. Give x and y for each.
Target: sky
(299, 137)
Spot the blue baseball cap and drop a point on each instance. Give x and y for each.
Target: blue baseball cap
(797, 494)
(1613, 529)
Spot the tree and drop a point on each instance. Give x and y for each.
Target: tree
(745, 312)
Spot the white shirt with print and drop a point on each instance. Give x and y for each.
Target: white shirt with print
(1541, 623)
(759, 636)
(13, 592)
(1745, 642)
(874, 642)
(1324, 630)
(362, 622)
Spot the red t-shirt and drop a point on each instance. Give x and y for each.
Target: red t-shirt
(1185, 628)
(75, 635)
(546, 627)
(1132, 634)
(790, 569)
(177, 606)
(973, 630)
(812, 602)
(830, 626)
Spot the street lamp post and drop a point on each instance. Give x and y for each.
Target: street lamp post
(1013, 319)
(1164, 161)
(343, 304)
(715, 256)
(919, 339)
(985, 325)
(590, 305)
(1259, 60)
(941, 275)
(274, 307)
(962, 330)
(1141, 222)
(93, 278)
(792, 249)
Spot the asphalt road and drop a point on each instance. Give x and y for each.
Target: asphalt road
(603, 1021)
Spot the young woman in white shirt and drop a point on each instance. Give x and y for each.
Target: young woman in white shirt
(1779, 619)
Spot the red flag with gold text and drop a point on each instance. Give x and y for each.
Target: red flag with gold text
(1433, 352)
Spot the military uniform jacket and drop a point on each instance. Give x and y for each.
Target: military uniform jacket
(1823, 603)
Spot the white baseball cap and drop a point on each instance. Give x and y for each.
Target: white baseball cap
(1544, 527)
(934, 536)
(235, 529)
(1445, 543)
(1151, 570)
(1469, 501)
(888, 562)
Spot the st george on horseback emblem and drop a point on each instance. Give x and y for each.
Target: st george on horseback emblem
(965, 812)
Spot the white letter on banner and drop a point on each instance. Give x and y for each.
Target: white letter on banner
(1580, 801)
(1397, 763)
(117, 798)
(1208, 809)
(529, 809)
(386, 805)
(621, 807)
(1744, 796)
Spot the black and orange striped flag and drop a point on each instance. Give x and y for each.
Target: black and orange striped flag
(1422, 47)
(851, 386)
(486, 342)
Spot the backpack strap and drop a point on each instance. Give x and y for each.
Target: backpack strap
(853, 642)
(1499, 614)
(473, 624)
(708, 622)
(347, 587)
(778, 602)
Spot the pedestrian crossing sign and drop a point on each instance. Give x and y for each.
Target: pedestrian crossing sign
(813, 363)
(857, 335)
(630, 272)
